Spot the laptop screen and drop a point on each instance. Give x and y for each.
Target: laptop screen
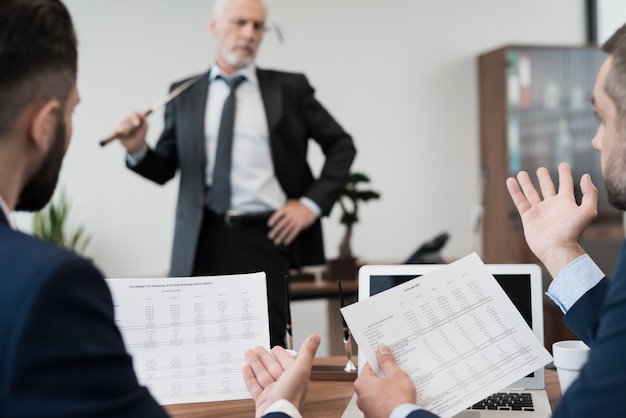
(516, 286)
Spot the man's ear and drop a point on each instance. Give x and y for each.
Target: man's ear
(213, 25)
(43, 124)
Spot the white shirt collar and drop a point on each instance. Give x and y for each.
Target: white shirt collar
(249, 71)
(5, 210)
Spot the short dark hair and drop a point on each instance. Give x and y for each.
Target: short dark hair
(38, 56)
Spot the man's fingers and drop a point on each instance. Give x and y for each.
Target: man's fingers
(284, 358)
(545, 183)
(308, 349)
(252, 383)
(284, 231)
(266, 369)
(258, 370)
(130, 123)
(566, 182)
(270, 363)
(589, 202)
(532, 196)
(291, 234)
(519, 200)
(276, 216)
(305, 355)
(386, 362)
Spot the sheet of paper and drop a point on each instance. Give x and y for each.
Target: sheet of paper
(187, 336)
(454, 331)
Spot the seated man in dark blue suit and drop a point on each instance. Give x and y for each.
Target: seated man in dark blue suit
(61, 354)
(594, 307)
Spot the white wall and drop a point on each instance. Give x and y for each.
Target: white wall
(400, 75)
(611, 15)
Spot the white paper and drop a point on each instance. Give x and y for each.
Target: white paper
(454, 331)
(187, 336)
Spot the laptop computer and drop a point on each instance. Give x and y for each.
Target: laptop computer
(522, 284)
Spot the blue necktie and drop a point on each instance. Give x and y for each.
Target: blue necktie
(219, 198)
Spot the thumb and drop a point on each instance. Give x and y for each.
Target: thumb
(386, 362)
(590, 194)
(308, 349)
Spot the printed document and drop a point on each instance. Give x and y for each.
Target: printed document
(454, 331)
(187, 336)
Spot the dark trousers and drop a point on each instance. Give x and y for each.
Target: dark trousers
(246, 249)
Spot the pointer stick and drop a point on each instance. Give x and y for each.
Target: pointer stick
(158, 104)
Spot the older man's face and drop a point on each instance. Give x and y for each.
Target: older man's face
(238, 31)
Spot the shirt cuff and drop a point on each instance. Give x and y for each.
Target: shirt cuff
(135, 158)
(284, 406)
(574, 281)
(313, 207)
(401, 411)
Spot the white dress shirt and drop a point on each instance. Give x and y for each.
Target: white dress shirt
(254, 186)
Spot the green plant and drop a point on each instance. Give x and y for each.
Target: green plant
(350, 213)
(49, 224)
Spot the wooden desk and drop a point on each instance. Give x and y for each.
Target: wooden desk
(325, 399)
(553, 388)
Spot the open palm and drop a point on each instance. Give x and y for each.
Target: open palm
(553, 222)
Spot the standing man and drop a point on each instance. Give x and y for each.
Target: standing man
(61, 353)
(247, 200)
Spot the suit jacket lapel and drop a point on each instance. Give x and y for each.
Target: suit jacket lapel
(3, 219)
(192, 115)
(272, 99)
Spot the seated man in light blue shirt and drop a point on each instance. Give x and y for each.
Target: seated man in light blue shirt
(594, 306)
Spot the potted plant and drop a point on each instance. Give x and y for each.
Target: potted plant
(345, 266)
(49, 224)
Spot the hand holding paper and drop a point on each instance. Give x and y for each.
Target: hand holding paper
(379, 396)
(454, 331)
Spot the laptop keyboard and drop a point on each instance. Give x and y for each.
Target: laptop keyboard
(506, 401)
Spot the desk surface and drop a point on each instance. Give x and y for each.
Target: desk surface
(325, 399)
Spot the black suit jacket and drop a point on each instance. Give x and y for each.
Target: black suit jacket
(294, 116)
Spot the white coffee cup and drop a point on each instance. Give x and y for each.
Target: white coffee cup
(569, 357)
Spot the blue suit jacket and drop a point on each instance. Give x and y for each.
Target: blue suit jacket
(422, 414)
(599, 319)
(61, 354)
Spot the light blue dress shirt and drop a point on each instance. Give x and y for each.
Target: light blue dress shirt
(578, 277)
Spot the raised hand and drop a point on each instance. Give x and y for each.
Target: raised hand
(553, 222)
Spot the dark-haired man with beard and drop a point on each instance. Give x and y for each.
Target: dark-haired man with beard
(61, 354)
